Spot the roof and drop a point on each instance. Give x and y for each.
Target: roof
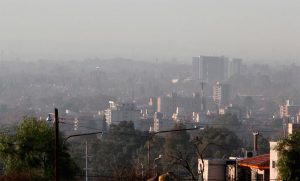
(260, 162)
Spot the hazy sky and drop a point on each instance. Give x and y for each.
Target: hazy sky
(150, 29)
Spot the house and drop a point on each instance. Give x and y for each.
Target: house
(213, 169)
(254, 168)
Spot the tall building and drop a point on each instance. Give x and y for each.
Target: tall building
(221, 94)
(214, 68)
(235, 66)
(196, 68)
(210, 68)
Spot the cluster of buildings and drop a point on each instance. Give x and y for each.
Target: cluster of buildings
(290, 111)
(213, 97)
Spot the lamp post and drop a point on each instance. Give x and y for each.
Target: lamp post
(86, 154)
(165, 131)
(159, 157)
(57, 145)
(56, 156)
(82, 134)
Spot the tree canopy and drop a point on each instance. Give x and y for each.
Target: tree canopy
(116, 151)
(31, 150)
(289, 157)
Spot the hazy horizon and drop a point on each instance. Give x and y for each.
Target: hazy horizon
(149, 30)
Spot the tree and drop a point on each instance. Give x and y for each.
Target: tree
(289, 157)
(179, 154)
(117, 150)
(215, 143)
(229, 121)
(263, 144)
(32, 150)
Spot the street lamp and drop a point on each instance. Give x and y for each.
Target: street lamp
(86, 156)
(82, 134)
(165, 131)
(155, 165)
(56, 121)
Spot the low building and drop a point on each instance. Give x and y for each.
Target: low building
(289, 110)
(121, 112)
(273, 161)
(160, 123)
(213, 169)
(258, 167)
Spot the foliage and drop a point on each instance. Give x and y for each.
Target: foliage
(32, 150)
(289, 157)
(115, 153)
(21, 176)
(229, 121)
(216, 142)
(179, 154)
(263, 144)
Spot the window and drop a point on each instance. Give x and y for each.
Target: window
(273, 164)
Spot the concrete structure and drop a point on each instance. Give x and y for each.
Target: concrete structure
(213, 68)
(274, 174)
(234, 110)
(214, 169)
(255, 168)
(160, 123)
(273, 161)
(210, 68)
(168, 104)
(221, 94)
(196, 68)
(289, 110)
(123, 112)
(292, 127)
(235, 66)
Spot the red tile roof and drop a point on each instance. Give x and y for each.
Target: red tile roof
(260, 162)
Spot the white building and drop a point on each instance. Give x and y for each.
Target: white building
(273, 161)
(123, 112)
(196, 68)
(157, 121)
(214, 169)
(221, 94)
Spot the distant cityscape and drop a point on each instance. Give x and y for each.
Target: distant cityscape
(259, 103)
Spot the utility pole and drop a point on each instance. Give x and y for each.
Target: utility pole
(86, 161)
(56, 121)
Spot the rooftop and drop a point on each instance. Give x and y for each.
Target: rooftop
(260, 162)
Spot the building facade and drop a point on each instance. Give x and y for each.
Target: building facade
(121, 112)
(235, 66)
(289, 110)
(221, 94)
